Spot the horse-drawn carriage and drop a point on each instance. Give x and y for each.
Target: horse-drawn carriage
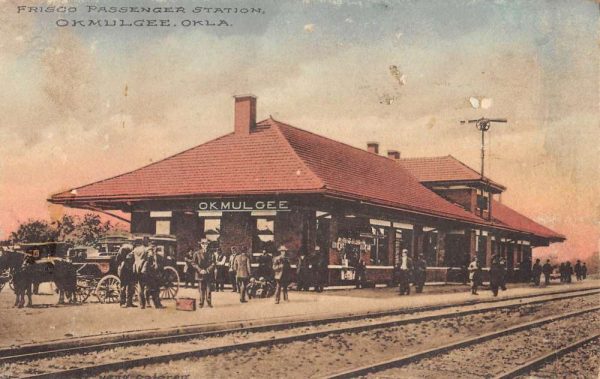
(93, 268)
(97, 267)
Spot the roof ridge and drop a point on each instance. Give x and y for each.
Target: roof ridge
(146, 166)
(467, 166)
(475, 171)
(332, 140)
(423, 158)
(289, 147)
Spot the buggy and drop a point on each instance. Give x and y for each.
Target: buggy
(97, 268)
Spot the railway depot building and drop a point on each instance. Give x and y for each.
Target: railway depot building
(268, 184)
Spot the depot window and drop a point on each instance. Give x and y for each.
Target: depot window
(163, 227)
(379, 246)
(264, 235)
(212, 229)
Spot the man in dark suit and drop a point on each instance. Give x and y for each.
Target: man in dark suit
(547, 270)
(241, 265)
(128, 282)
(281, 272)
(536, 272)
(496, 273)
(420, 273)
(140, 254)
(406, 266)
(204, 265)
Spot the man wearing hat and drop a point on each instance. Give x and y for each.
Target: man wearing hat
(241, 265)
(319, 270)
(231, 273)
(406, 266)
(204, 265)
(140, 254)
(420, 273)
(127, 277)
(281, 272)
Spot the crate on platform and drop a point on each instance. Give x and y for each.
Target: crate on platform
(185, 304)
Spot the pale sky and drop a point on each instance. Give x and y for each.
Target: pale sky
(324, 66)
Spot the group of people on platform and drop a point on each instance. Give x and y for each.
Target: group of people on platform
(497, 274)
(407, 270)
(528, 273)
(140, 265)
(211, 270)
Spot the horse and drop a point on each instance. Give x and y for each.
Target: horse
(20, 270)
(65, 278)
(26, 271)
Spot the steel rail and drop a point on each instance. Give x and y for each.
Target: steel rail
(78, 347)
(414, 357)
(163, 358)
(540, 361)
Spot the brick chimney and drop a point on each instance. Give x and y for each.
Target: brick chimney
(245, 114)
(373, 147)
(393, 154)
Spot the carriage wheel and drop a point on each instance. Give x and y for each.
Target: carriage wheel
(83, 290)
(170, 283)
(108, 289)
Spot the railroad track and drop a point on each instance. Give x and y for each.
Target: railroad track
(537, 362)
(528, 366)
(182, 334)
(215, 350)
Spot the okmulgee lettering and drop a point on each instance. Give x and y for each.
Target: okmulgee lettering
(108, 23)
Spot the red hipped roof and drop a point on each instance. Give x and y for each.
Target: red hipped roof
(274, 158)
(278, 158)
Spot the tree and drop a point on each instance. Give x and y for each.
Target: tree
(34, 231)
(90, 229)
(65, 227)
(68, 228)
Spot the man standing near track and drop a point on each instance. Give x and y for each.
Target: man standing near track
(140, 254)
(568, 272)
(406, 267)
(204, 265)
(495, 274)
(578, 270)
(319, 270)
(232, 277)
(242, 273)
(547, 270)
(281, 272)
(474, 275)
(503, 275)
(127, 277)
(420, 273)
(536, 272)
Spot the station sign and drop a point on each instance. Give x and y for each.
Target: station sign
(244, 205)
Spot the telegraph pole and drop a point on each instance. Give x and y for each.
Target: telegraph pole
(483, 125)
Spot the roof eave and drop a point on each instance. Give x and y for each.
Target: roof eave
(133, 198)
(498, 188)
